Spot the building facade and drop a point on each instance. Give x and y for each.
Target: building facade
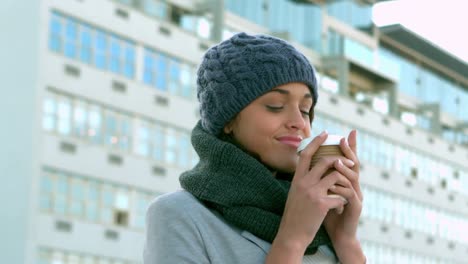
(108, 100)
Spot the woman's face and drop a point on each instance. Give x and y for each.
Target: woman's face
(272, 126)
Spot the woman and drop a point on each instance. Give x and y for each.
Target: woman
(252, 198)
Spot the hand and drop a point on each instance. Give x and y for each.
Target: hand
(342, 228)
(308, 202)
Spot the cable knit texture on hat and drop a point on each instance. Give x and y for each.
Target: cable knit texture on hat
(240, 69)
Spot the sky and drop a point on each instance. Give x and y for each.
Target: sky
(442, 22)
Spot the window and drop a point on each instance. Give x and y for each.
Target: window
(77, 197)
(55, 33)
(92, 200)
(107, 204)
(85, 44)
(95, 124)
(100, 58)
(114, 59)
(80, 119)
(56, 256)
(91, 45)
(149, 75)
(121, 207)
(161, 72)
(70, 38)
(184, 150)
(49, 108)
(117, 130)
(186, 81)
(155, 8)
(129, 61)
(125, 132)
(46, 192)
(61, 192)
(64, 116)
(174, 76)
(171, 146)
(141, 206)
(99, 202)
(159, 137)
(142, 141)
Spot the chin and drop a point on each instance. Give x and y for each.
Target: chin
(281, 164)
(286, 168)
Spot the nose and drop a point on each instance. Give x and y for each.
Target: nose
(296, 120)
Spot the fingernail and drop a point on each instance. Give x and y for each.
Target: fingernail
(349, 162)
(339, 210)
(323, 133)
(340, 163)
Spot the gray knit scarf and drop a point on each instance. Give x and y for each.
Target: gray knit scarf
(240, 188)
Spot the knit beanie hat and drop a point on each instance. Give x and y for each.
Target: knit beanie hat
(240, 69)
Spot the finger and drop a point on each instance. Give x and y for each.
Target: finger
(339, 210)
(306, 155)
(347, 151)
(346, 193)
(334, 202)
(352, 139)
(349, 173)
(333, 179)
(334, 195)
(352, 176)
(325, 163)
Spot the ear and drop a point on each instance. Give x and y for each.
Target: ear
(229, 127)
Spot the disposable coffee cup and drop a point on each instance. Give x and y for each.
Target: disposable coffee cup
(331, 147)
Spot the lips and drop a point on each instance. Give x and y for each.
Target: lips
(292, 141)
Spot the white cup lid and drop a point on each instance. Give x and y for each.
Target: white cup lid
(331, 140)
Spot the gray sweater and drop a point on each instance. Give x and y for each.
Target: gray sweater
(180, 230)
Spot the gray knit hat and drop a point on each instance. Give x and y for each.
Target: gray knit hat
(240, 69)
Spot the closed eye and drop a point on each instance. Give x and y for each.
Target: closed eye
(274, 108)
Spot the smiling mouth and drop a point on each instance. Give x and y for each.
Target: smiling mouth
(291, 143)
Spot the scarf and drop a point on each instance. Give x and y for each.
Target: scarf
(238, 186)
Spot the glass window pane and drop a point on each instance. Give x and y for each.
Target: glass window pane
(111, 129)
(122, 200)
(80, 120)
(85, 44)
(158, 143)
(60, 204)
(142, 145)
(44, 256)
(174, 77)
(129, 68)
(184, 151)
(161, 71)
(155, 8)
(100, 58)
(95, 124)
(185, 80)
(148, 71)
(49, 111)
(45, 202)
(125, 132)
(171, 146)
(55, 35)
(115, 55)
(70, 38)
(64, 113)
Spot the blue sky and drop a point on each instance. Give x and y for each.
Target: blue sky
(441, 22)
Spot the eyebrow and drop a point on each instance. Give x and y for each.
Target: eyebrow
(286, 92)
